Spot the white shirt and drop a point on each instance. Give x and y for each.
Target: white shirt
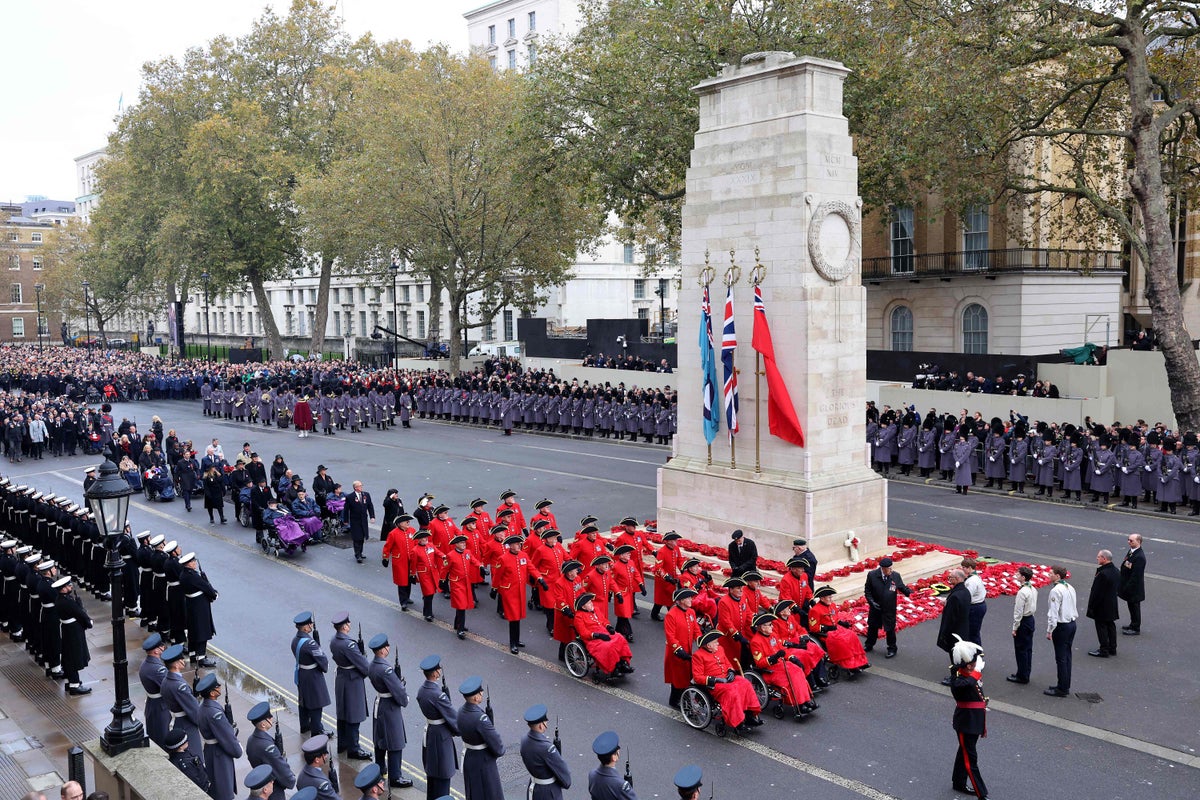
(1025, 605)
(975, 586)
(1061, 606)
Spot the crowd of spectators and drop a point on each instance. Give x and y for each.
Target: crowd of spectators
(630, 362)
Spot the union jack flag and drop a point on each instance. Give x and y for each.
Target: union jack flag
(728, 349)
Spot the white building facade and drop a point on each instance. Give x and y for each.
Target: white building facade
(87, 188)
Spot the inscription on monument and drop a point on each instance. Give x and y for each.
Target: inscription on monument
(736, 179)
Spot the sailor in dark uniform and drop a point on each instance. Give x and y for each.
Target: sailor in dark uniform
(176, 745)
(261, 749)
(548, 771)
(482, 741)
(604, 782)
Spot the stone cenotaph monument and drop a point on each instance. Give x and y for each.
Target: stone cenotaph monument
(773, 168)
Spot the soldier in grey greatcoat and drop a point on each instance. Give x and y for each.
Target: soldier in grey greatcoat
(221, 746)
(349, 687)
(311, 666)
(391, 695)
(481, 776)
(438, 755)
(261, 749)
(548, 772)
(1018, 450)
(152, 673)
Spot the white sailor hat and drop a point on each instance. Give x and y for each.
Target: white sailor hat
(187, 557)
(170, 546)
(61, 582)
(157, 540)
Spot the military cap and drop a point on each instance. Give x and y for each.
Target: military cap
(170, 546)
(24, 550)
(187, 558)
(8, 544)
(45, 565)
(536, 714)
(259, 777)
(606, 743)
(629, 521)
(65, 580)
(303, 618)
(157, 539)
(470, 686)
(570, 565)
(601, 559)
(340, 618)
(514, 539)
(175, 739)
(260, 712)
(709, 636)
(477, 502)
(498, 529)
(543, 503)
(625, 548)
(507, 494)
(885, 562)
(142, 535)
(315, 745)
(207, 683)
(800, 542)
(441, 509)
(173, 653)
(459, 538)
(583, 600)
(683, 594)
(688, 778)
(404, 518)
(734, 583)
(737, 534)
(797, 562)
(378, 641)
(589, 529)
(420, 533)
(782, 605)
(367, 777)
(549, 533)
(825, 591)
(307, 793)
(671, 536)
(430, 663)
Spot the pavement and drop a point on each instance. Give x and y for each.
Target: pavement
(1130, 729)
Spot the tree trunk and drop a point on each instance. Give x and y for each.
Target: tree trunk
(434, 331)
(454, 313)
(274, 342)
(321, 312)
(1166, 304)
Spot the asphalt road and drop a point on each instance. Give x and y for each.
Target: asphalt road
(886, 735)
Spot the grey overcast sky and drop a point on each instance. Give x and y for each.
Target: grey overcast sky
(68, 63)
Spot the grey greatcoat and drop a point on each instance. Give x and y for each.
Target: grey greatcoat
(311, 666)
(993, 464)
(350, 685)
(1131, 472)
(185, 711)
(1072, 462)
(548, 771)
(438, 754)
(1104, 465)
(963, 453)
(152, 673)
(1016, 460)
(481, 776)
(312, 775)
(221, 748)
(392, 697)
(261, 749)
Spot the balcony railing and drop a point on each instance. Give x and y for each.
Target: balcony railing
(988, 262)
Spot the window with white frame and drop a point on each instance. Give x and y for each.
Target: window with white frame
(643, 313)
(36, 237)
(532, 53)
(491, 34)
(420, 324)
(512, 27)
(16, 293)
(509, 333)
(13, 236)
(627, 254)
(37, 262)
(492, 63)
(975, 329)
(639, 288)
(902, 328)
(512, 59)
(421, 293)
(902, 239)
(532, 20)
(18, 328)
(14, 261)
(975, 237)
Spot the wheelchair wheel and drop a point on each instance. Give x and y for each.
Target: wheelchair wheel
(834, 672)
(760, 688)
(244, 517)
(696, 707)
(577, 658)
(720, 728)
(777, 711)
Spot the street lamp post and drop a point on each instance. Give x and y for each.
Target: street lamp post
(39, 288)
(395, 315)
(662, 308)
(207, 325)
(87, 312)
(108, 500)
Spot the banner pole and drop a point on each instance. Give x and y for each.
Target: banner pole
(756, 278)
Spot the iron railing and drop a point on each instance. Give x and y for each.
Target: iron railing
(985, 262)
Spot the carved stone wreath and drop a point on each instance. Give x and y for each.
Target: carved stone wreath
(836, 271)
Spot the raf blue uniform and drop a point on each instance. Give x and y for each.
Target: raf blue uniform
(604, 782)
(261, 749)
(349, 689)
(484, 747)
(439, 756)
(185, 711)
(548, 772)
(311, 666)
(388, 733)
(221, 747)
(152, 673)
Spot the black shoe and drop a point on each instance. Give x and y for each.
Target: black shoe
(1053, 692)
(1130, 632)
(891, 653)
(965, 790)
(429, 619)
(946, 681)
(1015, 679)
(461, 634)
(359, 754)
(513, 650)
(207, 663)
(402, 783)
(79, 690)
(520, 644)
(1098, 653)
(869, 647)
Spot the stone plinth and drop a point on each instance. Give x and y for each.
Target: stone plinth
(773, 168)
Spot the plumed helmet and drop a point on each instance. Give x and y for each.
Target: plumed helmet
(1041, 427)
(964, 652)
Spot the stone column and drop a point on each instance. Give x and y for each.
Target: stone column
(773, 167)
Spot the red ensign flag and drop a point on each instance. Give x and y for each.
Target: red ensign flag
(781, 415)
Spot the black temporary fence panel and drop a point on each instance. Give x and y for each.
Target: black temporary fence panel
(892, 365)
(612, 337)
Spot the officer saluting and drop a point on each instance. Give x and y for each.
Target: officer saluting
(548, 771)
(391, 698)
(261, 749)
(311, 666)
(349, 687)
(484, 746)
(438, 755)
(604, 782)
(316, 758)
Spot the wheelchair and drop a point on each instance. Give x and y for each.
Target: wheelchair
(700, 708)
(580, 663)
(245, 516)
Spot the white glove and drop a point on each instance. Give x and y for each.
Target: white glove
(1097, 472)
(1125, 470)
(991, 458)
(1041, 461)
(957, 464)
(1147, 468)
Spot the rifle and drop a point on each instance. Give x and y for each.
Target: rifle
(316, 635)
(445, 691)
(712, 788)
(487, 708)
(628, 774)
(279, 741)
(229, 714)
(396, 665)
(557, 741)
(335, 781)
(361, 647)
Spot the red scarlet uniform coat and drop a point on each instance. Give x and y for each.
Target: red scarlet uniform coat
(681, 631)
(512, 576)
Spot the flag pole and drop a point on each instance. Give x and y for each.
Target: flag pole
(706, 278)
(732, 275)
(756, 277)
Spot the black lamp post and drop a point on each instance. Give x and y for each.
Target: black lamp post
(395, 315)
(87, 312)
(207, 328)
(108, 500)
(662, 308)
(39, 287)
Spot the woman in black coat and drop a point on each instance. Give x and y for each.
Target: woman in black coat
(322, 486)
(214, 494)
(278, 468)
(393, 507)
